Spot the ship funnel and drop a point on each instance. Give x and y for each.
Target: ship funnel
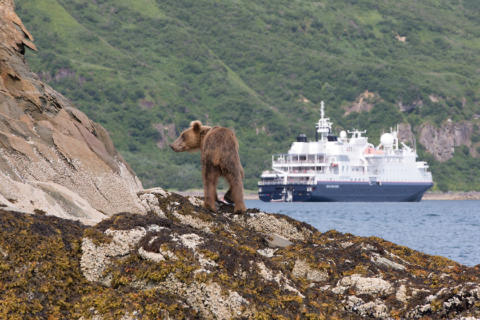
(302, 138)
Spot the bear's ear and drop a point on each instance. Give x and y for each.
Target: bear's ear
(196, 125)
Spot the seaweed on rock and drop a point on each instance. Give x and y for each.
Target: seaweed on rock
(182, 261)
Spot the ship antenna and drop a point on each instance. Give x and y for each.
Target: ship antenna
(324, 125)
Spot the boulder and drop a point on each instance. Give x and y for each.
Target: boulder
(53, 158)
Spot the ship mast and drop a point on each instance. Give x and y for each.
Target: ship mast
(324, 126)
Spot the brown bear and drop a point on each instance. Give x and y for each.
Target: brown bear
(219, 153)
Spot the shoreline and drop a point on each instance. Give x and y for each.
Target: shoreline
(252, 195)
(470, 195)
(247, 194)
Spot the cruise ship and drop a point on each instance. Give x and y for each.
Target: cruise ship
(345, 168)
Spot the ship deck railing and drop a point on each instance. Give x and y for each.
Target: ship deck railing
(308, 173)
(281, 182)
(299, 162)
(286, 157)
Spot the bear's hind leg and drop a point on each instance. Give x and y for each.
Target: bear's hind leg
(210, 179)
(236, 193)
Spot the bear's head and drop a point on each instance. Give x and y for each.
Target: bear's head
(191, 138)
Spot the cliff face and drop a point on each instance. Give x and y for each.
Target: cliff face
(405, 133)
(441, 141)
(52, 157)
(183, 262)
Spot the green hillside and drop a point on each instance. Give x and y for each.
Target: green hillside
(145, 68)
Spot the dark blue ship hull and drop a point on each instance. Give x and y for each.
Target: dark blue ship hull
(346, 192)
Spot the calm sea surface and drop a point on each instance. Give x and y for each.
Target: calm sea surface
(447, 228)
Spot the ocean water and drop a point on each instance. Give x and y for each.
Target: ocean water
(446, 228)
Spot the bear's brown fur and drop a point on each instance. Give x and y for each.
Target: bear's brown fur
(219, 153)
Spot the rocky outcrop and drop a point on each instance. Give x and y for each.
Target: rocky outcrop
(169, 265)
(405, 134)
(13, 33)
(441, 141)
(52, 157)
(408, 107)
(363, 103)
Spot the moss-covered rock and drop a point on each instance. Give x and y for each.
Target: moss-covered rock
(182, 261)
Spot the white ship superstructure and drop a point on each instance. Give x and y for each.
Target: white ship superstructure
(345, 168)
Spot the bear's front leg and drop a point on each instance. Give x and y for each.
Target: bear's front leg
(210, 178)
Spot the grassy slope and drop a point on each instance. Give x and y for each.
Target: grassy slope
(247, 64)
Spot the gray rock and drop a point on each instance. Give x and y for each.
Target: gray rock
(301, 269)
(382, 261)
(95, 258)
(441, 141)
(46, 143)
(364, 285)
